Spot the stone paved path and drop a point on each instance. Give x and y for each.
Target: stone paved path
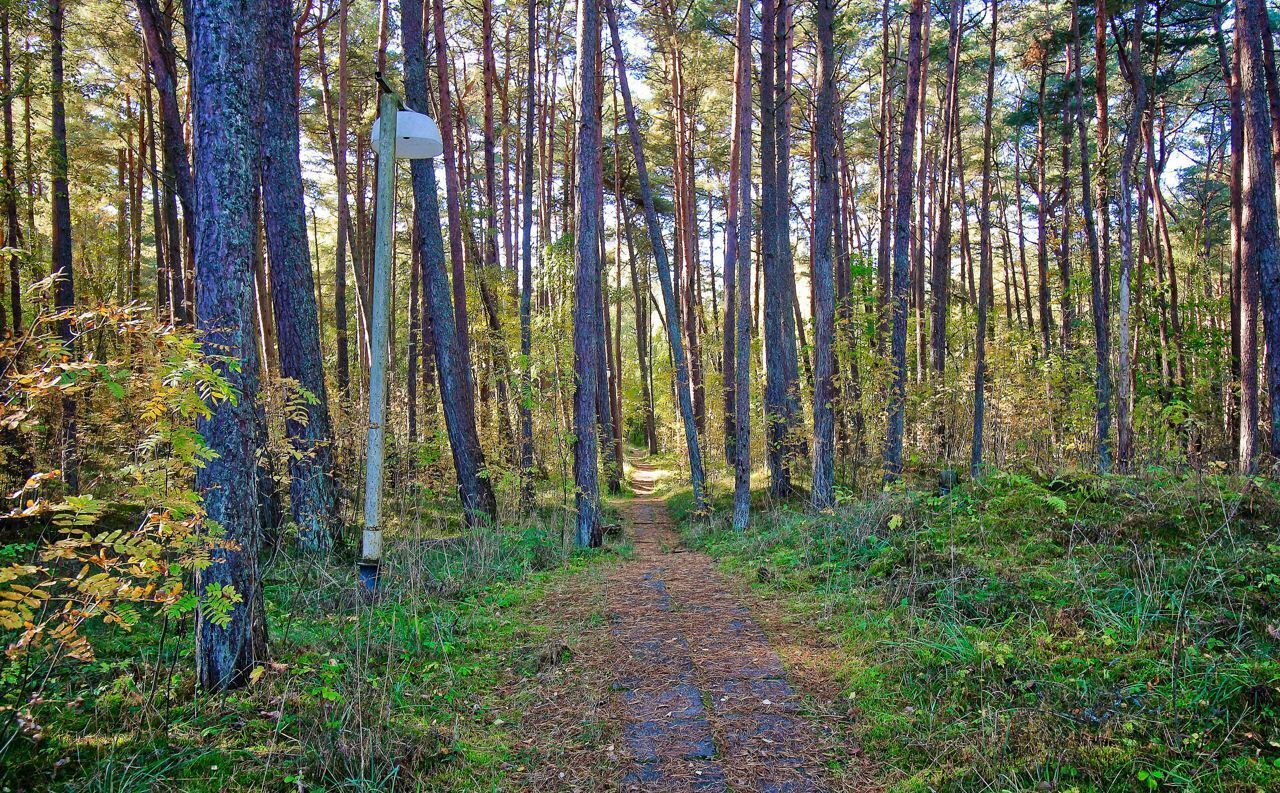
(704, 701)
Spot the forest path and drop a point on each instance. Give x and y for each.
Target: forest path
(703, 700)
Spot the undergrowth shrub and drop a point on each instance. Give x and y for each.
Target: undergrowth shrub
(123, 548)
(97, 685)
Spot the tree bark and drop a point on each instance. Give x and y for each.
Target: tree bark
(884, 154)
(1066, 302)
(452, 187)
(526, 273)
(822, 494)
(338, 148)
(940, 286)
(13, 230)
(588, 355)
(414, 348)
(923, 189)
(122, 226)
(1236, 118)
(610, 443)
(313, 501)
(985, 261)
(1042, 210)
(1022, 235)
(1260, 248)
(223, 109)
(454, 378)
(902, 251)
(163, 60)
(64, 293)
(742, 312)
(490, 79)
(1100, 271)
(729, 336)
(1124, 414)
(654, 226)
(782, 408)
(640, 292)
(165, 253)
(1099, 291)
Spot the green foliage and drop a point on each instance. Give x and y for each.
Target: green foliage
(218, 602)
(122, 551)
(355, 695)
(1076, 633)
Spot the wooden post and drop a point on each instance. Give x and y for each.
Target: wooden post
(371, 546)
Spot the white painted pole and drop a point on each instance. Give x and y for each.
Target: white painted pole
(371, 547)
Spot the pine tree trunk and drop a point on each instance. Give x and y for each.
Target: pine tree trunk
(158, 37)
(654, 227)
(687, 275)
(1236, 126)
(28, 170)
(1260, 245)
(64, 293)
(781, 402)
(122, 227)
(223, 109)
(490, 79)
(526, 273)
(312, 495)
(1099, 291)
(640, 292)
(1042, 211)
(1124, 414)
(985, 259)
(922, 207)
(588, 355)
(1066, 301)
(454, 378)
(940, 286)
(268, 347)
(13, 230)
(822, 494)
(137, 165)
(742, 312)
(729, 336)
(1102, 293)
(884, 156)
(413, 348)
(147, 155)
(610, 446)
(430, 392)
(902, 251)
(1022, 235)
(452, 185)
(338, 150)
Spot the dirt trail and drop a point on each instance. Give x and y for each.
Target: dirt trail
(704, 701)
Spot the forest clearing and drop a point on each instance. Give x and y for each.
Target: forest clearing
(488, 395)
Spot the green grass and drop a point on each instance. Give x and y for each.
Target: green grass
(394, 695)
(1074, 634)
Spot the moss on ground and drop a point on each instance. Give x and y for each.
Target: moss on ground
(1021, 634)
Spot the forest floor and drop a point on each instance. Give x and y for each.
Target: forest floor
(1071, 633)
(703, 699)
(664, 674)
(1023, 633)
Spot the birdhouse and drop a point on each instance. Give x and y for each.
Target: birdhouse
(417, 136)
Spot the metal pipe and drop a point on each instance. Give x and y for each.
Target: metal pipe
(371, 545)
